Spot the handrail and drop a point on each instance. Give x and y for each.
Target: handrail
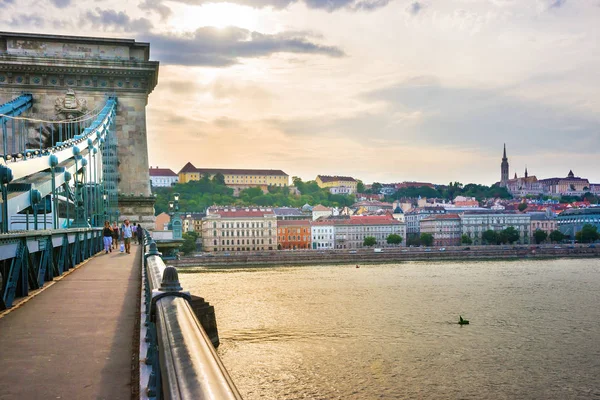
(190, 368)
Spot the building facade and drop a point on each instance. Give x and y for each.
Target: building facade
(293, 234)
(239, 229)
(319, 211)
(162, 177)
(542, 221)
(322, 235)
(325, 181)
(350, 233)
(474, 223)
(414, 216)
(572, 221)
(445, 228)
(237, 177)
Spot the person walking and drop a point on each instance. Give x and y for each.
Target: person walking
(133, 233)
(140, 234)
(115, 232)
(107, 234)
(127, 233)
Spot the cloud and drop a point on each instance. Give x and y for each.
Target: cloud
(61, 3)
(27, 21)
(549, 4)
(209, 46)
(156, 5)
(414, 8)
(4, 3)
(328, 5)
(117, 21)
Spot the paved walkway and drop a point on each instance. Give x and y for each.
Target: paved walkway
(75, 339)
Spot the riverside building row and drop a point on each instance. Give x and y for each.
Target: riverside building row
(259, 229)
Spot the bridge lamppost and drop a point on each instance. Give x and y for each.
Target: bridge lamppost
(106, 216)
(175, 222)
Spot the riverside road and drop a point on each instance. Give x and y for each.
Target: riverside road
(297, 257)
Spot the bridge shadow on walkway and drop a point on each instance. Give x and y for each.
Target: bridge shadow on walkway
(75, 340)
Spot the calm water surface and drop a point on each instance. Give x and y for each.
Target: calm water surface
(390, 332)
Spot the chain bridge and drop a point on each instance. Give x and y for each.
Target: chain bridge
(74, 155)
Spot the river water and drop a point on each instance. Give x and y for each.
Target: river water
(389, 331)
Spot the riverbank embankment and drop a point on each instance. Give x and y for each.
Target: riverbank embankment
(303, 257)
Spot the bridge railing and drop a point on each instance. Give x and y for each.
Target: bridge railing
(183, 362)
(29, 259)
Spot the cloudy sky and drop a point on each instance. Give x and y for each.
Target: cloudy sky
(384, 90)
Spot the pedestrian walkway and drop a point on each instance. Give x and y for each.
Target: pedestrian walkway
(75, 340)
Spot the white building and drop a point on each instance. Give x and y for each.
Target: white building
(322, 233)
(350, 233)
(239, 229)
(319, 211)
(474, 223)
(162, 177)
(346, 190)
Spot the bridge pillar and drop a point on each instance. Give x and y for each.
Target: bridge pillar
(71, 75)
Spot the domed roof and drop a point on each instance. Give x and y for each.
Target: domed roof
(306, 207)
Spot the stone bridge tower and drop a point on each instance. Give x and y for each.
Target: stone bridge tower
(53, 67)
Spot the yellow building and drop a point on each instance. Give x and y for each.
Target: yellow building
(237, 177)
(325, 181)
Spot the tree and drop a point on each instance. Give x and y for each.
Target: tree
(522, 207)
(219, 178)
(589, 233)
(557, 236)
(369, 241)
(360, 186)
(376, 187)
(426, 239)
(509, 235)
(189, 242)
(490, 237)
(466, 239)
(394, 239)
(540, 236)
(413, 240)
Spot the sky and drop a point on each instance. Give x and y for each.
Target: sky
(381, 90)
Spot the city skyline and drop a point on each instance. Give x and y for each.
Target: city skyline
(377, 89)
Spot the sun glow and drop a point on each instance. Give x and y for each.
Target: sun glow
(218, 15)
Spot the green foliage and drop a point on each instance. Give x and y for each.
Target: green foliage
(426, 239)
(480, 192)
(369, 241)
(198, 195)
(593, 199)
(490, 237)
(394, 239)
(557, 236)
(360, 186)
(522, 207)
(509, 235)
(540, 236)
(189, 242)
(413, 240)
(587, 234)
(466, 239)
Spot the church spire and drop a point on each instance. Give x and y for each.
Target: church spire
(504, 154)
(504, 168)
(526, 175)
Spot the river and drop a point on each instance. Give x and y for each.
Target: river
(390, 331)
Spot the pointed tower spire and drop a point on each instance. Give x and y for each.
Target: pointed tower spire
(504, 168)
(504, 155)
(526, 175)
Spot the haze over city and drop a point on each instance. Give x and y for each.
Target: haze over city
(377, 89)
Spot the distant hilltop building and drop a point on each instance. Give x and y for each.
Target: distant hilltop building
(570, 185)
(337, 184)
(162, 177)
(237, 178)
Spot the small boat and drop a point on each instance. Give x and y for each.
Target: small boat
(357, 266)
(462, 321)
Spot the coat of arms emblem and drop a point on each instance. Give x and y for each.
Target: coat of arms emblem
(69, 106)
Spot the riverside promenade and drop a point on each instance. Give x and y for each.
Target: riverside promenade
(75, 338)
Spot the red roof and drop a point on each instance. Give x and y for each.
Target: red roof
(161, 172)
(188, 168)
(360, 220)
(433, 217)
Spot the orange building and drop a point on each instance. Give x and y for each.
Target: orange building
(293, 234)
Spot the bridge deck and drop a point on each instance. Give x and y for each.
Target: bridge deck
(75, 339)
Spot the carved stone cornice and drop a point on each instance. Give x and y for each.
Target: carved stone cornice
(84, 74)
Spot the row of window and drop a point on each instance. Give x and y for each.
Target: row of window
(293, 237)
(292, 230)
(241, 233)
(231, 225)
(242, 241)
